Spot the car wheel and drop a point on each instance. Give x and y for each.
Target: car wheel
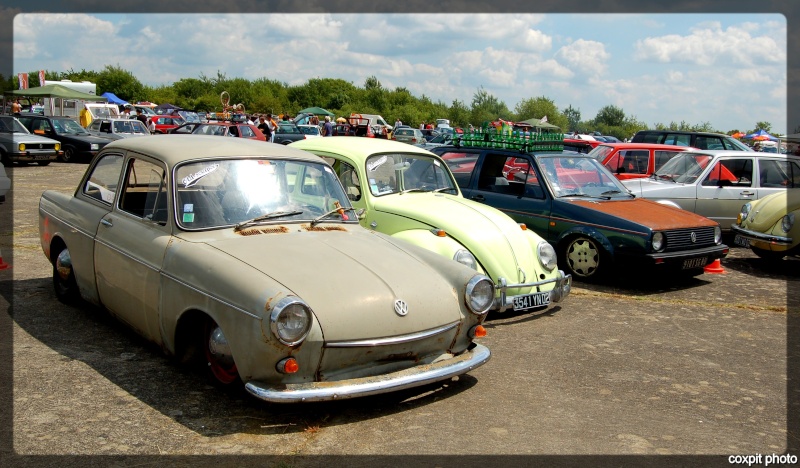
(43, 163)
(221, 368)
(768, 254)
(69, 154)
(583, 258)
(64, 284)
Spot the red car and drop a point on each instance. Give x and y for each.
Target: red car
(165, 123)
(231, 129)
(634, 160)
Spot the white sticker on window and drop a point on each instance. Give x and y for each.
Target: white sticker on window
(188, 208)
(190, 180)
(373, 165)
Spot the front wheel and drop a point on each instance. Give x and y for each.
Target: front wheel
(69, 154)
(583, 258)
(221, 367)
(64, 284)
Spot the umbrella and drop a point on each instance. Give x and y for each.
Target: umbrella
(341, 120)
(316, 111)
(738, 135)
(761, 133)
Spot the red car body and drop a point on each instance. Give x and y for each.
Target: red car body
(165, 123)
(634, 160)
(230, 129)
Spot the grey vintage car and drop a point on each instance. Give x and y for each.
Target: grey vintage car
(248, 258)
(17, 144)
(117, 129)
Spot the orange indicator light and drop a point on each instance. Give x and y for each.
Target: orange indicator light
(523, 226)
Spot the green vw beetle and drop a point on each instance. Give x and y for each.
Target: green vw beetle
(770, 226)
(409, 193)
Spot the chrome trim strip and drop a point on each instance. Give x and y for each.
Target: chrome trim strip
(760, 236)
(392, 339)
(351, 388)
(559, 292)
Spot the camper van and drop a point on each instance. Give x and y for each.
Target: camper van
(72, 108)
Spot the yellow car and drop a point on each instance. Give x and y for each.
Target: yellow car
(769, 225)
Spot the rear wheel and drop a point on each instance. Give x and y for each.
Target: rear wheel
(583, 258)
(221, 367)
(69, 154)
(64, 284)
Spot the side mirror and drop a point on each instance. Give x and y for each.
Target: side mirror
(39, 132)
(361, 212)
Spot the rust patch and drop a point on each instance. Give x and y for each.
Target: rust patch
(649, 213)
(308, 227)
(257, 231)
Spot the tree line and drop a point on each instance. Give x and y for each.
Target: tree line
(342, 97)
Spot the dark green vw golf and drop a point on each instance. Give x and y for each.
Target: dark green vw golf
(578, 206)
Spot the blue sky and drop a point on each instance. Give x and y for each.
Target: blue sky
(726, 69)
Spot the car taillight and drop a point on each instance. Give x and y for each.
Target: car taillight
(413, 140)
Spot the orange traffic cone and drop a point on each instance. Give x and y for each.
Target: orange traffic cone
(714, 267)
(3, 265)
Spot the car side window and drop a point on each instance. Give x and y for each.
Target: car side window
(730, 172)
(779, 174)
(633, 162)
(247, 132)
(102, 182)
(709, 143)
(349, 179)
(144, 193)
(677, 139)
(461, 165)
(502, 174)
(661, 157)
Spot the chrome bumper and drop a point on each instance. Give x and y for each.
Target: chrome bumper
(760, 236)
(351, 388)
(562, 288)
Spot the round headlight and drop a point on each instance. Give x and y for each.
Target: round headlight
(290, 321)
(787, 222)
(744, 213)
(547, 255)
(58, 147)
(658, 241)
(22, 146)
(479, 294)
(464, 257)
(717, 234)
(94, 147)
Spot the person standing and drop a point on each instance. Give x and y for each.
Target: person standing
(327, 127)
(141, 117)
(16, 107)
(264, 127)
(273, 127)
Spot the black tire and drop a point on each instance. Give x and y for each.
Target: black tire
(583, 258)
(64, 284)
(768, 255)
(68, 155)
(220, 368)
(43, 163)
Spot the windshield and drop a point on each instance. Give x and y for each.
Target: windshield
(580, 176)
(287, 128)
(393, 173)
(309, 129)
(130, 126)
(218, 130)
(222, 193)
(189, 116)
(103, 112)
(600, 152)
(684, 168)
(12, 125)
(68, 127)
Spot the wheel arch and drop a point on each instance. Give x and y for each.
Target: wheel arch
(585, 231)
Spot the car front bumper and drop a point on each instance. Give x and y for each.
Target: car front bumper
(689, 259)
(562, 288)
(760, 236)
(359, 387)
(34, 156)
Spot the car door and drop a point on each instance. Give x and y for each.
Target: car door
(724, 188)
(130, 245)
(776, 175)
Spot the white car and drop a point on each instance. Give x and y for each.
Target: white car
(716, 184)
(310, 131)
(5, 183)
(19, 145)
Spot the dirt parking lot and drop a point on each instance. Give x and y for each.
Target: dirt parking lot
(652, 366)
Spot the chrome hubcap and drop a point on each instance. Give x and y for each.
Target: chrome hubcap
(64, 265)
(583, 257)
(219, 348)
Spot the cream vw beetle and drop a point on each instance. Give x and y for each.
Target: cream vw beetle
(248, 258)
(410, 193)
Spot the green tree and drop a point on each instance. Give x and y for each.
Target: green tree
(766, 126)
(540, 107)
(120, 82)
(573, 118)
(486, 107)
(610, 115)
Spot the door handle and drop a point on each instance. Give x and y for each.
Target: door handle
(478, 198)
(747, 194)
(106, 222)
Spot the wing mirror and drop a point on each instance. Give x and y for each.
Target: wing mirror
(361, 212)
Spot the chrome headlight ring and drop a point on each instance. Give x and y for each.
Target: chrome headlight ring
(658, 241)
(744, 213)
(479, 294)
(787, 222)
(465, 257)
(717, 234)
(290, 320)
(547, 255)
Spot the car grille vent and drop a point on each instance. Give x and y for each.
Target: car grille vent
(255, 232)
(308, 227)
(681, 239)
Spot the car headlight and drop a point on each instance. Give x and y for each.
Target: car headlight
(22, 146)
(787, 222)
(658, 241)
(465, 257)
(95, 147)
(479, 294)
(58, 147)
(290, 321)
(744, 213)
(717, 234)
(547, 255)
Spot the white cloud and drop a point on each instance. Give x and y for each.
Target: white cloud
(585, 57)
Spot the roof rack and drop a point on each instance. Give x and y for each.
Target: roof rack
(524, 142)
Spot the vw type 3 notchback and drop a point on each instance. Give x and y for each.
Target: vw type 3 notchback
(410, 193)
(248, 257)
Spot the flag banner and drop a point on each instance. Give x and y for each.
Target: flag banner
(41, 77)
(23, 80)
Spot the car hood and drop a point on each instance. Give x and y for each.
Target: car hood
(653, 215)
(769, 210)
(496, 240)
(649, 187)
(102, 141)
(27, 138)
(351, 279)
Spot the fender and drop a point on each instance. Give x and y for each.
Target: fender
(586, 231)
(669, 203)
(427, 239)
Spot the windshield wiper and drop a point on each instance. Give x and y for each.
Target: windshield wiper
(445, 188)
(273, 215)
(416, 189)
(322, 217)
(586, 195)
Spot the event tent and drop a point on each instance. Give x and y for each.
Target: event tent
(316, 111)
(54, 91)
(537, 123)
(761, 135)
(113, 99)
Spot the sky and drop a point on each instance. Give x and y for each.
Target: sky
(726, 69)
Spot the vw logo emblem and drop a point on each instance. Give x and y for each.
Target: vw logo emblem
(400, 307)
(693, 236)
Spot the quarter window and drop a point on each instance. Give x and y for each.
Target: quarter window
(779, 174)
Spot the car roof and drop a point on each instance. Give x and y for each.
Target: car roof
(739, 154)
(176, 148)
(356, 148)
(645, 145)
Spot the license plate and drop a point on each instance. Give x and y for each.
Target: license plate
(41, 156)
(532, 300)
(741, 241)
(695, 262)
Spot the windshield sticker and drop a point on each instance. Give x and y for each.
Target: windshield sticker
(190, 180)
(373, 165)
(188, 208)
(188, 217)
